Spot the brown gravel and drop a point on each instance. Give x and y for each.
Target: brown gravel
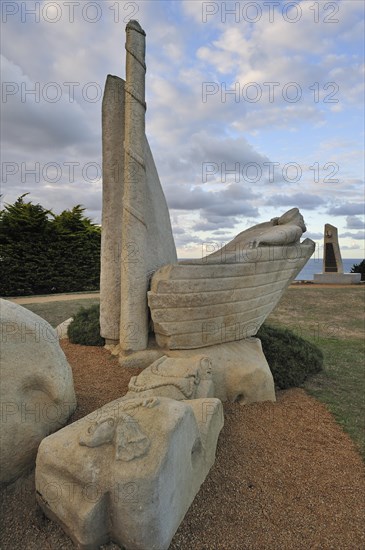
(286, 476)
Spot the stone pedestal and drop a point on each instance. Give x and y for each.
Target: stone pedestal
(337, 278)
(239, 370)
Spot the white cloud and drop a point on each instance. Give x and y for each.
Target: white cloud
(354, 222)
(360, 235)
(185, 132)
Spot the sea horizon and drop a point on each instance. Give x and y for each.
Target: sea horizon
(314, 265)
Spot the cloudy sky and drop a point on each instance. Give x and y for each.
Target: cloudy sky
(253, 108)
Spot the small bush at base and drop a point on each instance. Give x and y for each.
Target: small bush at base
(359, 268)
(291, 359)
(85, 328)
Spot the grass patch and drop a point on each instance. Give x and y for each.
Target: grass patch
(333, 319)
(341, 385)
(57, 312)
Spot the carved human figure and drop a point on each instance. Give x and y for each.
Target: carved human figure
(284, 230)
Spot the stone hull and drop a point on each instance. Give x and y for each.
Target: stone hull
(196, 304)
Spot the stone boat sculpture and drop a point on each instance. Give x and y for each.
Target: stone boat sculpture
(133, 467)
(227, 295)
(221, 298)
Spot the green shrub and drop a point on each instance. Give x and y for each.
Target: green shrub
(43, 253)
(291, 358)
(85, 328)
(359, 268)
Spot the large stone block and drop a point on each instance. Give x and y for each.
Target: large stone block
(37, 393)
(129, 471)
(239, 371)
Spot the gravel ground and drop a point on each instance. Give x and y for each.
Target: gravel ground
(286, 476)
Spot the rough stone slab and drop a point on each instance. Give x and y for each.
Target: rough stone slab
(337, 278)
(239, 371)
(37, 393)
(176, 378)
(129, 471)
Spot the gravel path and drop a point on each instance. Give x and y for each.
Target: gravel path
(286, 476)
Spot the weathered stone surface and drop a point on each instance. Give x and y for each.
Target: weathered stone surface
(176, 378)
(133, 206)
(195, 305)
(239, 371)
(37, 393)
(139, 359)
(133, 309)
(160, 247)
(111, 236)
(282, 231)
(136, 467)
(62, 328)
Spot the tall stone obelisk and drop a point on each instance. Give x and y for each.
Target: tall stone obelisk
(134, 309)
(113, 187)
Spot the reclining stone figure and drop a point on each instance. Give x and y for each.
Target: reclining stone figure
(281, 231)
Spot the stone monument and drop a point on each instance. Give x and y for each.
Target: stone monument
(332, 262)
(190, 324)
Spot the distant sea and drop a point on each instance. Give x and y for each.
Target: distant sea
(314, 265)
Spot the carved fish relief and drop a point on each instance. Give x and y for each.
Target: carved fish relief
(124, 431)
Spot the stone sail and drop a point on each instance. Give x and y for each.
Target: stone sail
(136, 229)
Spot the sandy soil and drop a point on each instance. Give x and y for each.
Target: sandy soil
(286, 476)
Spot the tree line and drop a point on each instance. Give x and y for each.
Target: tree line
(42, 253)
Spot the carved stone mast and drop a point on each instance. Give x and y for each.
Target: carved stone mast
(134, 311)
(113, 185)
